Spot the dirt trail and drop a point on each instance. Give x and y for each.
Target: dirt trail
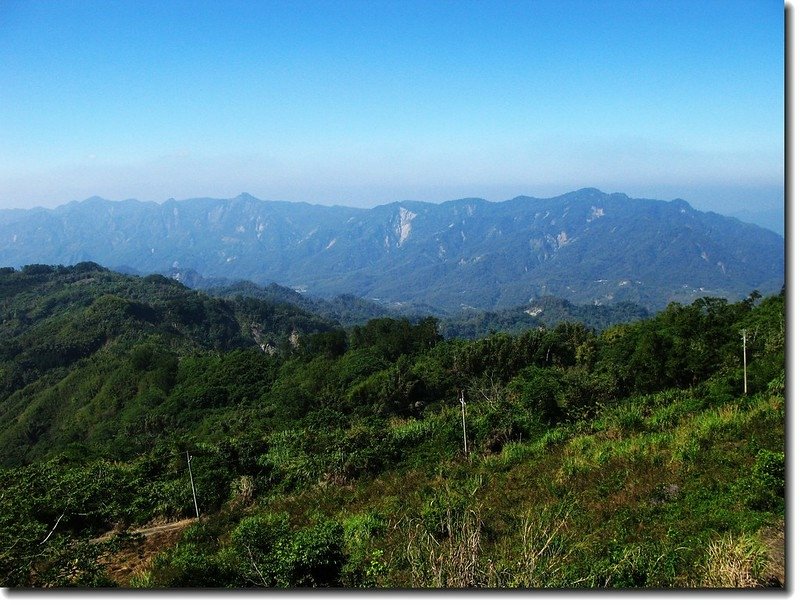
(137, 556)
(775, 540)
(160, 529)
(146, 531)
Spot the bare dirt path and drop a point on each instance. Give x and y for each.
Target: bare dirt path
(136, 557)
(146, 531)
(160, 529)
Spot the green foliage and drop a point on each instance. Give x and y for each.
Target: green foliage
(264, 545)
(766, 484)
(304, 458)
(538, 388)
(317, 556)
(263, 551)
(390, 338)
(365, 567)
(546, 311)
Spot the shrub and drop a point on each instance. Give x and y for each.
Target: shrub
(365, 565)
(187, 565)
(262, 545)
(317, 555)
(267, 553)
(777, 386)
(765, 488)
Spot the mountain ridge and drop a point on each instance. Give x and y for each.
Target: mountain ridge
(586, 246)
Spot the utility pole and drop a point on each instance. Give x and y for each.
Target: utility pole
(191, 479)
(464, 420)
(744, 357)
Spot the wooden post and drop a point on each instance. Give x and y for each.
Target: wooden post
(191, 479)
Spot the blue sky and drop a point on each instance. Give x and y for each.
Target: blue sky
(364, 103)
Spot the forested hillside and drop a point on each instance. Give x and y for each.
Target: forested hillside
(546, 311)
(86, 353)
(349, 310)
(323, 456)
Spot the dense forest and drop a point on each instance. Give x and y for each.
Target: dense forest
(383, 454)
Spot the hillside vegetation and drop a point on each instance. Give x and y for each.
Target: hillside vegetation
(327, 457)
(349, 310)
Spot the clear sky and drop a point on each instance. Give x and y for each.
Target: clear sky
(367, 102)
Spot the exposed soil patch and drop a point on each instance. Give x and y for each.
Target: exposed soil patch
(147, 543)
(775, 540)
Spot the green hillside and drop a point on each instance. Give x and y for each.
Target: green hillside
(623, 458)
(86, 353)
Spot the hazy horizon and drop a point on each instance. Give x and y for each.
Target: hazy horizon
(366, 103)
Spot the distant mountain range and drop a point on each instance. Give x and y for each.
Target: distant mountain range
(585, 246)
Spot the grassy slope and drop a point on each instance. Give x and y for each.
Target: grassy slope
(641, 496)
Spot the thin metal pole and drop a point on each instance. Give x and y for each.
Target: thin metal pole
(464, 420)
(191, 479)
(744, 356)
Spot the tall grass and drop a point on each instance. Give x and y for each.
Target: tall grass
(411, 430)
(448, 558)
(730, 421)
(540, 554)
(516, 452)
(735, 562)
(452, 556)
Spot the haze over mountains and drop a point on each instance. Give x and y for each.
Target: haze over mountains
(586, 246)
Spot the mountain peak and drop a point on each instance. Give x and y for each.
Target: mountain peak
(590, 191)
(89, 201)
(246, 197)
